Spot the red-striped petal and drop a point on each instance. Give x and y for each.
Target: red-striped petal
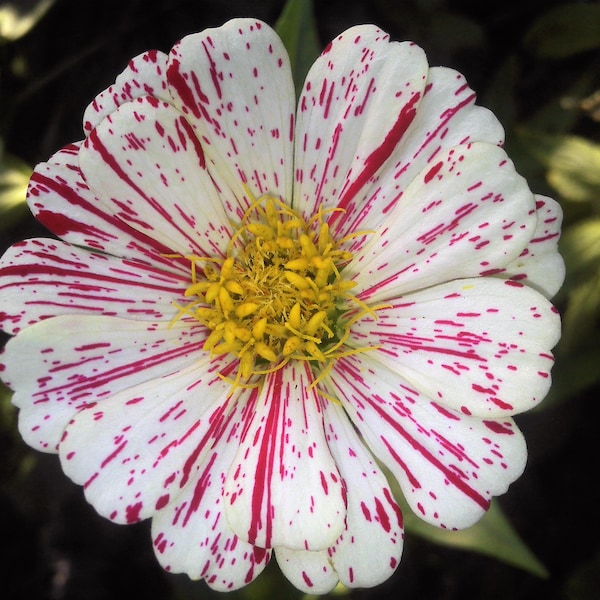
(284, 488)
(448, 464)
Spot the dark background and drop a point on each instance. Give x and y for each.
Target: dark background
(52, 544)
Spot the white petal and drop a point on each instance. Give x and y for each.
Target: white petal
(447, 116)
(449, 465)
(359, 99)
(61, 200)
(143, 76)
(58, 366)
(134, 451)
(480, 346)
(471, 211)
(147, 165)
(283, 488)
(234, 85)
(42, 278)
(191, 535)
(540, 265)
(310, 572)
(369, 549)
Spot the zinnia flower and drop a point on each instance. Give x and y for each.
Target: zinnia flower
(253, 311)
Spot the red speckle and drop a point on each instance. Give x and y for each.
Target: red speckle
(512, 283)
(366, 512)
(324, 483)
(432, 172)
(498, 427)
(132, 512)
(162, 501)
(384, 520)
(501, 404)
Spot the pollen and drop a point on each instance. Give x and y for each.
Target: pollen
(278, 295)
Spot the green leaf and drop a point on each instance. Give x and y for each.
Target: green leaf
(493, 536)
(565, 30)
(578, 353)
(14, 177)
(580, 317)
(297, 29)
(580, 248)
(572, 163)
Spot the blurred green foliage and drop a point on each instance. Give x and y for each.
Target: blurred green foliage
(298, 29)
(565, 30)
(14, 177)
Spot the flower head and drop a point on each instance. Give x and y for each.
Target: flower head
(252, 309)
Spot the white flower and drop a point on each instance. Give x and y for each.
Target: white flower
(249, 303)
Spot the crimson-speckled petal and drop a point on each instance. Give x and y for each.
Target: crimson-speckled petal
(358, 101)
(191, 534)
(75, 360)
(61, 200)
(143, 76)
(50, 278)
(446, 116)
(369, 549)
(470, 211)
(145, 162)
(135, 450)
(284, 488)
(448, 464)
(540, 265)
(481, 346)
(234, 85)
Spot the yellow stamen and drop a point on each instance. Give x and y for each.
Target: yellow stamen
(299, 282)
(277, 295)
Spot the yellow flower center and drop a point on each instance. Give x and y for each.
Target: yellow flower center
(278, 294)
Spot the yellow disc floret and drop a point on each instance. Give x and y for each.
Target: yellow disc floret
(278, 294)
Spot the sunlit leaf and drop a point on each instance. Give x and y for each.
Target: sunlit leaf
(578, 353)
(298, 30)
(565, 30)
(574, 169)
(580, 248)
(14, 176)
(572, 163)
(16, 20)
(493, 536)
(581, 315)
